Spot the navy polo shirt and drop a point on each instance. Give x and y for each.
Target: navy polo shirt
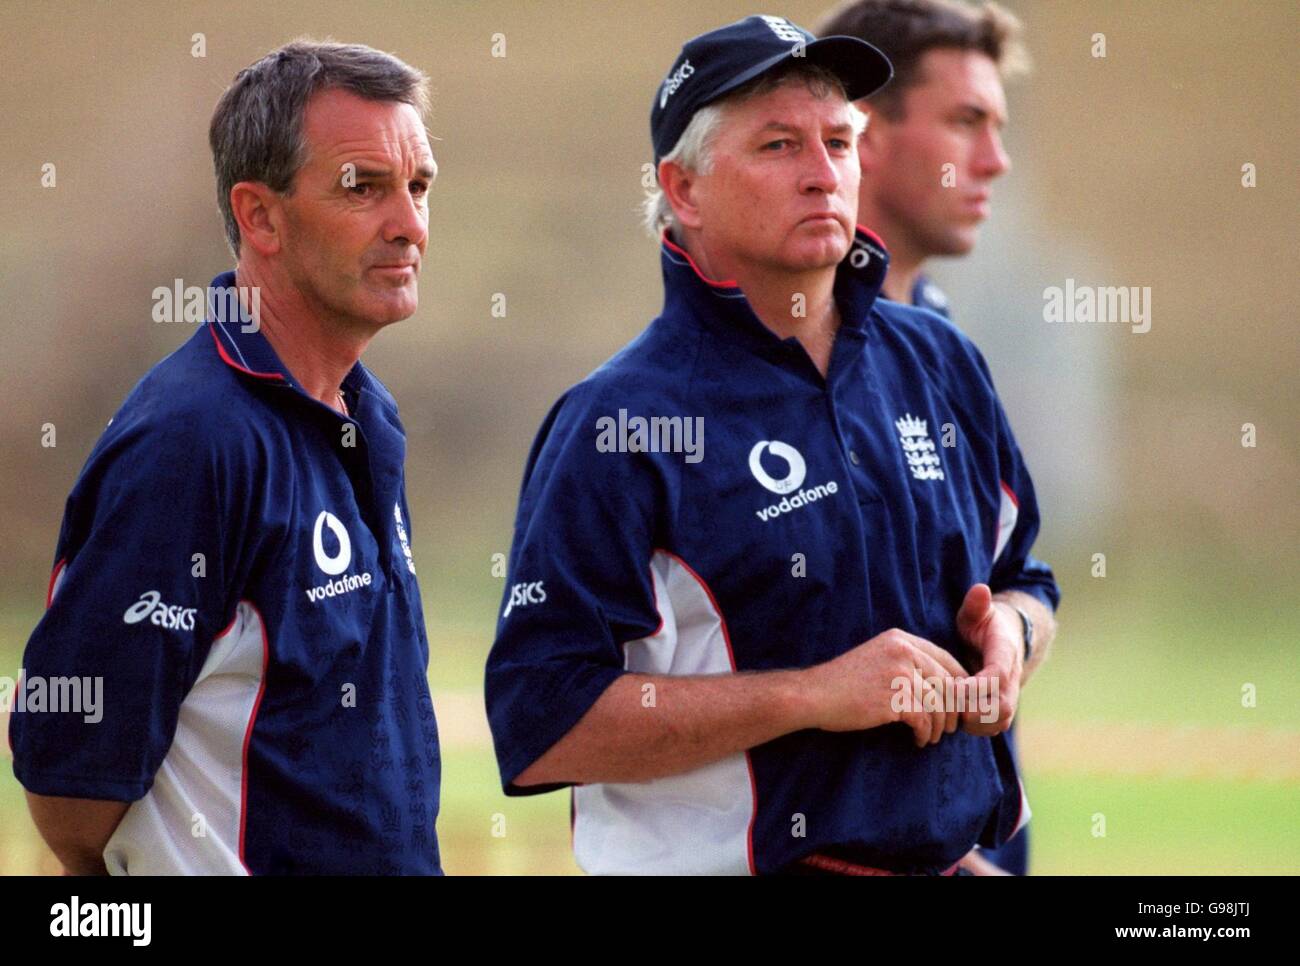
(818, 513)
(234, 567)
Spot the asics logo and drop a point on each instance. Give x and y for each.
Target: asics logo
(523, 594)
(170, 616)
(674, 81)
(797, 469)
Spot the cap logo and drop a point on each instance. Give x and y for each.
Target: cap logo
(784, 29)
(675, 80)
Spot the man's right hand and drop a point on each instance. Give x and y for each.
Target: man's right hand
(857, 690)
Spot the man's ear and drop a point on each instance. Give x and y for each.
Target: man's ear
(873, 140)
(679, 186)
(259, 213)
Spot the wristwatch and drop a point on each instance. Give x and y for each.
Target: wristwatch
(1028, 626)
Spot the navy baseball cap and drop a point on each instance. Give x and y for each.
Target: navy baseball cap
(715, 63)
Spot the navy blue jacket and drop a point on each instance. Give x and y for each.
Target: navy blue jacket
(819, 513)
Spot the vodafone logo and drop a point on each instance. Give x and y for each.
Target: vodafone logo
(861, 253)
(335, 565)
(797, 468)
(792, 497)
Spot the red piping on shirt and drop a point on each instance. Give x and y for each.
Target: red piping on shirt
(54, 578)
(730, 283)
(248, 737)
(225, 357)
(842, 867)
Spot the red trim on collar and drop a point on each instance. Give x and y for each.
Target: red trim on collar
(225, 357)
(730, 283)
(873, 236)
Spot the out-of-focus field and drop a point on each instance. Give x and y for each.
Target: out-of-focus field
(1138, 718)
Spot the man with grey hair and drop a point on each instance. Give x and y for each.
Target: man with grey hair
(752, 662)
(235, 562)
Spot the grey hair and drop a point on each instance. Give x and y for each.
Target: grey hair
(693, 149)
(691, 152)
(256, 132)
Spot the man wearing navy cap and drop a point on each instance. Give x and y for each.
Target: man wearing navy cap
(235, 563)
(745, 654)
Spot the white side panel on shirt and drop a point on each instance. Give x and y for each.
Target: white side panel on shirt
(1008, 512)
(691, 824)
(199, 786)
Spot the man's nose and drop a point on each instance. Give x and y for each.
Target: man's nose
(991, 158)
(820, 170)
(407, 221)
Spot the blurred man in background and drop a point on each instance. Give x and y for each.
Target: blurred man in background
(929, 156)
(234, 572)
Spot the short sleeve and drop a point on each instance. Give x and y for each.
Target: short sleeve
(578, 585)
(142, 585)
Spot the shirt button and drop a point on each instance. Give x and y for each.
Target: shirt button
(853, 457)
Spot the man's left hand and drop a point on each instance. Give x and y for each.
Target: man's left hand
(994, 630)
